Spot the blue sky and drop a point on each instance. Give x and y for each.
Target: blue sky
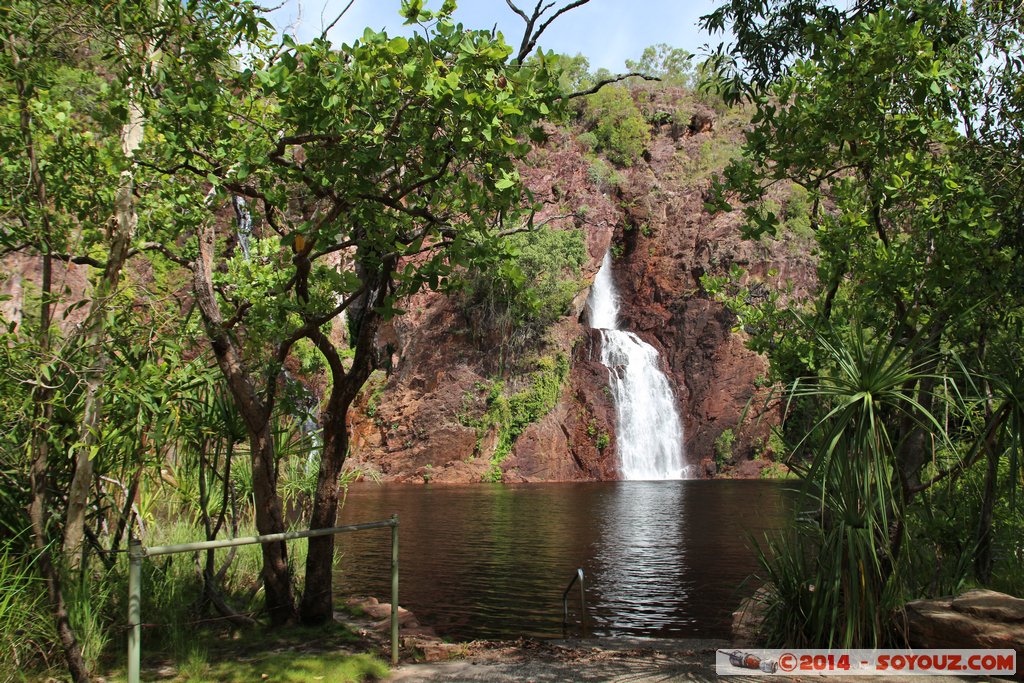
(608, 32)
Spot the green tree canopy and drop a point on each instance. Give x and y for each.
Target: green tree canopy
(900, 121)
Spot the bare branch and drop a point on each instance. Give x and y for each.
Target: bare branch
(13, 249)
(323, 34)
(607, 81)
(333, 248)
(324, 345)
(530, 34)
(337, 310)
(162, 248)
(239, 315)
(395, 204)
(518, 11)
(80, 260)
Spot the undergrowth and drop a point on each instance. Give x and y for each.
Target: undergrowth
(510, 415)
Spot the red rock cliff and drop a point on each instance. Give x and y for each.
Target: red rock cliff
(417, 424)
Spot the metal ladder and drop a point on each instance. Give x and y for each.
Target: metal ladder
(577, 577)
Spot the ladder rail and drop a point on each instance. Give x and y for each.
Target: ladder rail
(576, 578)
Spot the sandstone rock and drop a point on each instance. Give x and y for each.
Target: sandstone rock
(747, 620)
(709, 467)
(988, 604)
(406, 619)
(702, 122)
(361, 602)
(418, 632)
(436, 651)
(665, 242)
(976, 619)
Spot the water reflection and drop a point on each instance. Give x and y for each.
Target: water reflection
(661, 558)
(639, 561)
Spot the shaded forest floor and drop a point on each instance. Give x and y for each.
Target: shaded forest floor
(618, 660)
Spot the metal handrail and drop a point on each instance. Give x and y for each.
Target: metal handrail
(578, 576)
(136, 553)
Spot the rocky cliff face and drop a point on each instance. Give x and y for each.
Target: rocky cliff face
(421, 422)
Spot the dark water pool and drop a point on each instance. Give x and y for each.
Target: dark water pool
(662, 559)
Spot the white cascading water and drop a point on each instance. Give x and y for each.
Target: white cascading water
(649, 438)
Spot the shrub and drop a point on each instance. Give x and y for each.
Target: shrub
(511, 300)
(797, 214)
(618, 125)
(602, 175)
(25, 638)
(723, 447)
(588, 141)
(511, 415)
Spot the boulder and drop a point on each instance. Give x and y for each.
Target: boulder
(975, 619)
(747, 620)
(702, 122)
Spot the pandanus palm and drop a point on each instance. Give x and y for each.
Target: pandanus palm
(835, 578)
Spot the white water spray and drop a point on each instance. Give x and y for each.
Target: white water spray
(649, 438)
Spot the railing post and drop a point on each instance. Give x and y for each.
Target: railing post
(135, 555)
(394, 589)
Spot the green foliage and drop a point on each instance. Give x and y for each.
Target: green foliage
(291, 667)
(724, 447)
(846, 551)
(295, 654)
(24, 637)
(172, 596)
(509, 415)
(774, 446)
(618, 124)
(603, 175)
(369, 171)
(601, 438)
(915, 231)
(813, 599)
(513, 298)
(573, 72)
(588, 141)
(796, 215)
(711, 157)
(776, 470)
(674, 66)
(376, 385)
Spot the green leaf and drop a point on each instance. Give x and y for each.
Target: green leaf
(398, 45)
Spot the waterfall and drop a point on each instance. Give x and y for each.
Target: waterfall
(649, 435)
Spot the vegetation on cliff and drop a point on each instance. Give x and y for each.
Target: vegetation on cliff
(513, 298)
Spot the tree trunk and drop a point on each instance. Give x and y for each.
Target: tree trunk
(270, 520)
(317, 599)
(37, 516)
(255, 412)
(317, 604)
(983, 559)
(40, 447)
(122, 232)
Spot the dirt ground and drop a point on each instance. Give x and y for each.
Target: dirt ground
(425, 658)
(592, 660)
(619, 660)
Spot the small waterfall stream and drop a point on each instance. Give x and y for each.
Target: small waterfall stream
(649, 436)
